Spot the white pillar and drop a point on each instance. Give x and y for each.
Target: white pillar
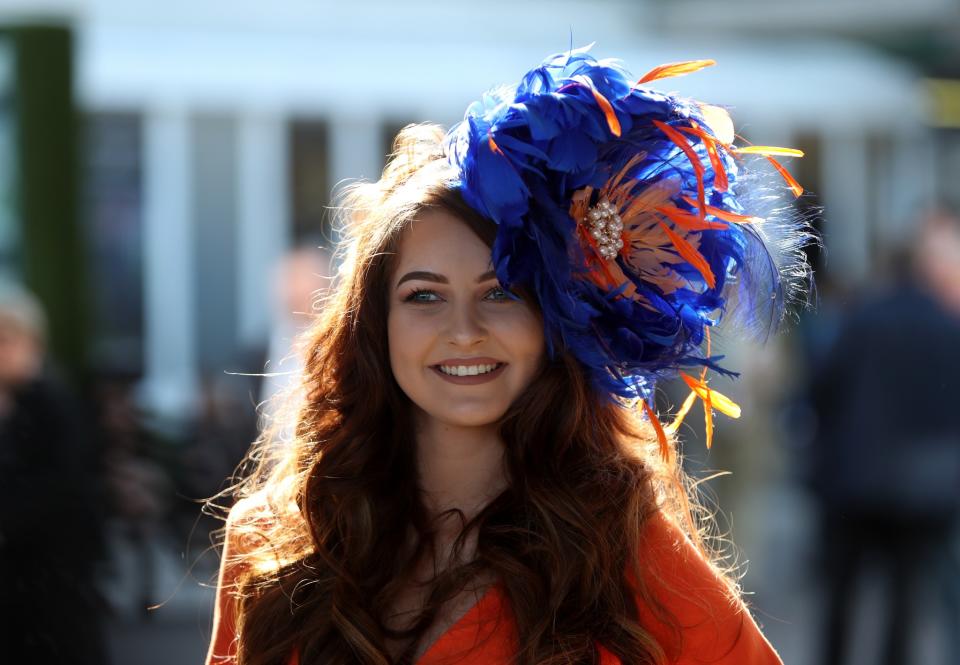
(913, 182)
(846, 192)
(263, 215)
(356, 148)
(169, 387)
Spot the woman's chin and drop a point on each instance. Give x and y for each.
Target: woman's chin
(465, 419)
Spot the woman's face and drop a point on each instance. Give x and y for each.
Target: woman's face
(460, 348)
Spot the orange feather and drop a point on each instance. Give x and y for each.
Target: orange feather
(614, 182)
(658, 428)
(720, 180)
(719, 401)
(711, 400)
(681, 142)
(707, 420)
(706, 336)
(769, 150)
(726, 215)
(493, 144)
(688, 221)
(691, 255)
(675, 69)
(608, 111)
(648, 198)
(791, 183)
(681, 414)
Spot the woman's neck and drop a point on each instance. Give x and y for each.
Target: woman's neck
(459, 467)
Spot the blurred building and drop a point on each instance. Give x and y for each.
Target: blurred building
(214, 132)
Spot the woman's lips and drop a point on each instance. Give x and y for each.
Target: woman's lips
(470, 379)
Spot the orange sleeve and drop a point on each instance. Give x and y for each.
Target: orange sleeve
(223, 640)
(715, 626)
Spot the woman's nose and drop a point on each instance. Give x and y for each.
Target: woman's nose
(466, 325)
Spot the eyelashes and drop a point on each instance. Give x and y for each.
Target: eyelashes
(427, 296)
(418, 296)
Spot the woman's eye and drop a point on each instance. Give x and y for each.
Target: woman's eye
(498, 293)
(421, 296)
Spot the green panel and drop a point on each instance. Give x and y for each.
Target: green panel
(52, 249)
(9, 213)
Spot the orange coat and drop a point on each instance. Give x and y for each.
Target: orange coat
(713, 628)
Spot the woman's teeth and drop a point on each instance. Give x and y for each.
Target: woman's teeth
(467, 370)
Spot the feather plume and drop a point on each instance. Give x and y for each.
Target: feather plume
(705, 243)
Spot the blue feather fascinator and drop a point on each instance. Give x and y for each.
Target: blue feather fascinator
(632, 217)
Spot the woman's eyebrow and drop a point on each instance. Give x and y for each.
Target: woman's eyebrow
(428, 276)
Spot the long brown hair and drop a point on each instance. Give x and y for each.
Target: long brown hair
(320, 565)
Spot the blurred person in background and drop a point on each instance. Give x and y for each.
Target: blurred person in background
(476, 474)
(885, 464)
(301, 280)
(50, 502)
(140, 487)
(235, 405)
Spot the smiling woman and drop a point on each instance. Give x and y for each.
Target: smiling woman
(476, 473)
(452, 324)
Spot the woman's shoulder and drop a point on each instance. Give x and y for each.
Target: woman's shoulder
(248, 525)
(248, 517)
(258, 514)
(714, 625)
(251, 512)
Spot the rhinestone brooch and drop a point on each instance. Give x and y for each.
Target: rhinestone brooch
(605, 226)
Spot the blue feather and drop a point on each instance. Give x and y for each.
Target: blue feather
(552, 139)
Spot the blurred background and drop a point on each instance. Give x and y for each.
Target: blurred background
(165, 172)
